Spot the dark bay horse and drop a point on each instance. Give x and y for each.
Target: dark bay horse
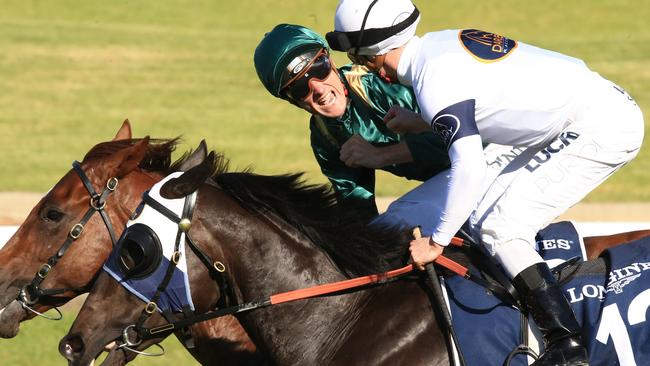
(274, 234)
(137, 165)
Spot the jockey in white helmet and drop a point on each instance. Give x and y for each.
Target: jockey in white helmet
(477, 87)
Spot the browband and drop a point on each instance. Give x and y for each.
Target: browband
(343, 41)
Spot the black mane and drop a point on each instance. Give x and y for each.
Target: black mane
(355, 246)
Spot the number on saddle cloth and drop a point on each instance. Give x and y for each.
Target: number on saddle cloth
(611, 307)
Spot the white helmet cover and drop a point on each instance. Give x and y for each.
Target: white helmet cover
(383, 14)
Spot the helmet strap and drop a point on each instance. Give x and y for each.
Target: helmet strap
(363, 27)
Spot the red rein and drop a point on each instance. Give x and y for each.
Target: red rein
(366, 280)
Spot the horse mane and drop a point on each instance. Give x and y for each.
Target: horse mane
(158, 157)
(354, 245)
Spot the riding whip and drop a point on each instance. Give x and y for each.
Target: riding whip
(440, 300)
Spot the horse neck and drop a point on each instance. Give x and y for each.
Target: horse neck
(128, 195)
(271, 257)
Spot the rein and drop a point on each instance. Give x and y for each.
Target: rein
(143, 333)
(164, 330)
(305, 293)
(31, 293)
(284, 297)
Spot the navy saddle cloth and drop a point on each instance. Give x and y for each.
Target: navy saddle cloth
(612, 308)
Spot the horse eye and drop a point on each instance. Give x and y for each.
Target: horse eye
(53, 215)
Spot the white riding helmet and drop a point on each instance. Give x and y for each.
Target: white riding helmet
(373, 27)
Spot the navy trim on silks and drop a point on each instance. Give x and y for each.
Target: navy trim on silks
(456, 121)
(486, 46)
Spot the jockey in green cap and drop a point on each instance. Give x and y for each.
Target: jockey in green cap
(348, 135)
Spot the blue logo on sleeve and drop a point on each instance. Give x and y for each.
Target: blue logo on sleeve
(484, 46)
(456, 121)
(446, 126)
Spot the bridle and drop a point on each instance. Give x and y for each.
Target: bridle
(135, 334)
(32, 293)
(216, 269)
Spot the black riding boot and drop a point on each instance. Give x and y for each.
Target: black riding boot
(554, 317)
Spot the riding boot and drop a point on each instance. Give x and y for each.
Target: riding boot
(554, 317)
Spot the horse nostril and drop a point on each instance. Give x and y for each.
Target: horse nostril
(71, 346)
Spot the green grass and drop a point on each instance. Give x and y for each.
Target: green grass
(71, 71)
(38, 341)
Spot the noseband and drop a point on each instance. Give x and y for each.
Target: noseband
(31, 293)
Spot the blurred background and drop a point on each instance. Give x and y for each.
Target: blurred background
(72, 71)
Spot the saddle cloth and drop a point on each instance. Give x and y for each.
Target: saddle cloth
(611, 308)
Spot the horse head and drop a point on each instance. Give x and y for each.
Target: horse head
(138, 254)
(57, 252)
(36, 250)
(260, 234)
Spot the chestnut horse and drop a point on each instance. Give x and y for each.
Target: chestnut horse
(273, 234)
(136, 165)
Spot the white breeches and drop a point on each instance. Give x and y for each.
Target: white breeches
(528, 195)
(526, 188)
(423, 205)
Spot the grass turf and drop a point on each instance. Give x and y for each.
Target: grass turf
(38, 341)
(71, 71)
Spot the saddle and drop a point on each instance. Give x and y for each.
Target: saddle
(495, 287)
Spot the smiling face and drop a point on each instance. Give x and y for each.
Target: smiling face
(326, 97)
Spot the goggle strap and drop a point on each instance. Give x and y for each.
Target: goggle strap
(304, 69)
(342, 41)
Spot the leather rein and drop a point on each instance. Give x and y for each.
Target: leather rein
(143, 333)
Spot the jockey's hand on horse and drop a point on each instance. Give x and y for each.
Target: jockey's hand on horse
(402, 120)
(424, 251)
(357, 152)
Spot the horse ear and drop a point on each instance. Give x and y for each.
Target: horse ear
(124, 133)
(196, 157)
(126, 160)
(190, 181)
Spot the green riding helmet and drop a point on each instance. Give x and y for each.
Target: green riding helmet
(280, 50)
